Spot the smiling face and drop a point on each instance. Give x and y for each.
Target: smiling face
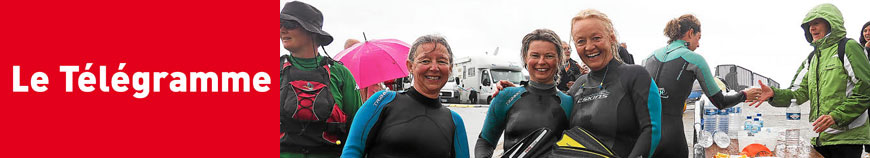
(819, 28)
(541, 61)
(431, 68)
(592, 42)
(866, 33)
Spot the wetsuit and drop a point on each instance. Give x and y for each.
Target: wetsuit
(569, 72)
(518, 111)
(406, 124)
(620, 105)
(674, 69)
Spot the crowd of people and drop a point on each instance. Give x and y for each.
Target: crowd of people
(630, 110)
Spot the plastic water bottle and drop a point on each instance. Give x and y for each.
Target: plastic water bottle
(747, 124)
(724, 120)
(710, 118)
(735, 125)
(792, 132)
(756, 126)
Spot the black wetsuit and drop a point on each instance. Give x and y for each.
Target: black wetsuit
(569, 72)
(411, 125)
(537, 106)
(675, 68)
(619, 104)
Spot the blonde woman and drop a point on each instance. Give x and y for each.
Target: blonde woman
(617, 102)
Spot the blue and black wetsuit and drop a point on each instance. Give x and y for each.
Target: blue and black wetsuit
(674, 69)
(620, 105)
(518, 111)
(407, 124)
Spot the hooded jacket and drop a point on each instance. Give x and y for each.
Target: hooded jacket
(838, 89)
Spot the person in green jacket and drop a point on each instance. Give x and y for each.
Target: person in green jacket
(312, 126)
(839, 92)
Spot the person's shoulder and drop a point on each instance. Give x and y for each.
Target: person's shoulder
(632, 68)
(853, 45)
(338, 66)
(694, 58)
(633, 71)
(509, 91)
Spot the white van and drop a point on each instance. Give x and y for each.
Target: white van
(478, 75)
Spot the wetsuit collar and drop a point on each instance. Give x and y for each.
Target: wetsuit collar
(675, 44)
(541, 88)
(423, 99)
(611, 64)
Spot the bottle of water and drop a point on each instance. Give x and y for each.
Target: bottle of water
(735, 125)
(792, 132)
(747, 124)
(724, 120)
(711, 114)
(756, 126)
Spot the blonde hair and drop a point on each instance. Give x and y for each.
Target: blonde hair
(677, 27)
(608, 26)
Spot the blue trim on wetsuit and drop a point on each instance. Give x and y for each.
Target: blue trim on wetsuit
(360, 127)
(567, 103)
(460, 138)
(654, 104)
(676, 50)
(497, 110)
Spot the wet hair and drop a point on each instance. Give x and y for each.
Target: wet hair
(608, 27)
(545, 35)
(862, 40)
(432, 38)
(676, 28)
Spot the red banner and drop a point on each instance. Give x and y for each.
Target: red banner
(100, 116)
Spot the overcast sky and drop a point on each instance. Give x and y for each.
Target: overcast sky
(763, 36)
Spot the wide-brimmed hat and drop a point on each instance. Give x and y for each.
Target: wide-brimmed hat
(308, 17)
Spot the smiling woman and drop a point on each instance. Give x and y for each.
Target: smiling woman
(412, 123)
(517, 111)
(617, 102)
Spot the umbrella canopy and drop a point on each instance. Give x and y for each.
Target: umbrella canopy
(375, 61)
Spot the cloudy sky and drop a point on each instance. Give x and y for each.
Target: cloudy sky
(763, 36)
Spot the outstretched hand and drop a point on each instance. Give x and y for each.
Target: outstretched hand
(501, 85)
(766, 93)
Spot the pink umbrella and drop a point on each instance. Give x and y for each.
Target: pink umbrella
(375, 61)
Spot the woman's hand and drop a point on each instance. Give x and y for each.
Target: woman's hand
(501, 85)
(765, 94)
(822, 123)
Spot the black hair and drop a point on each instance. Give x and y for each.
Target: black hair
(862, 40)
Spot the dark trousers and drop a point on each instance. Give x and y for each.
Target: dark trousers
(840, 151)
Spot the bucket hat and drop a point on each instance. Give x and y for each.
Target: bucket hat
(310, 18)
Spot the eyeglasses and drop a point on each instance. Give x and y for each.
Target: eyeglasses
(288, 24)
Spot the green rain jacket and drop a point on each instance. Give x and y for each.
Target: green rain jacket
(839, 89)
